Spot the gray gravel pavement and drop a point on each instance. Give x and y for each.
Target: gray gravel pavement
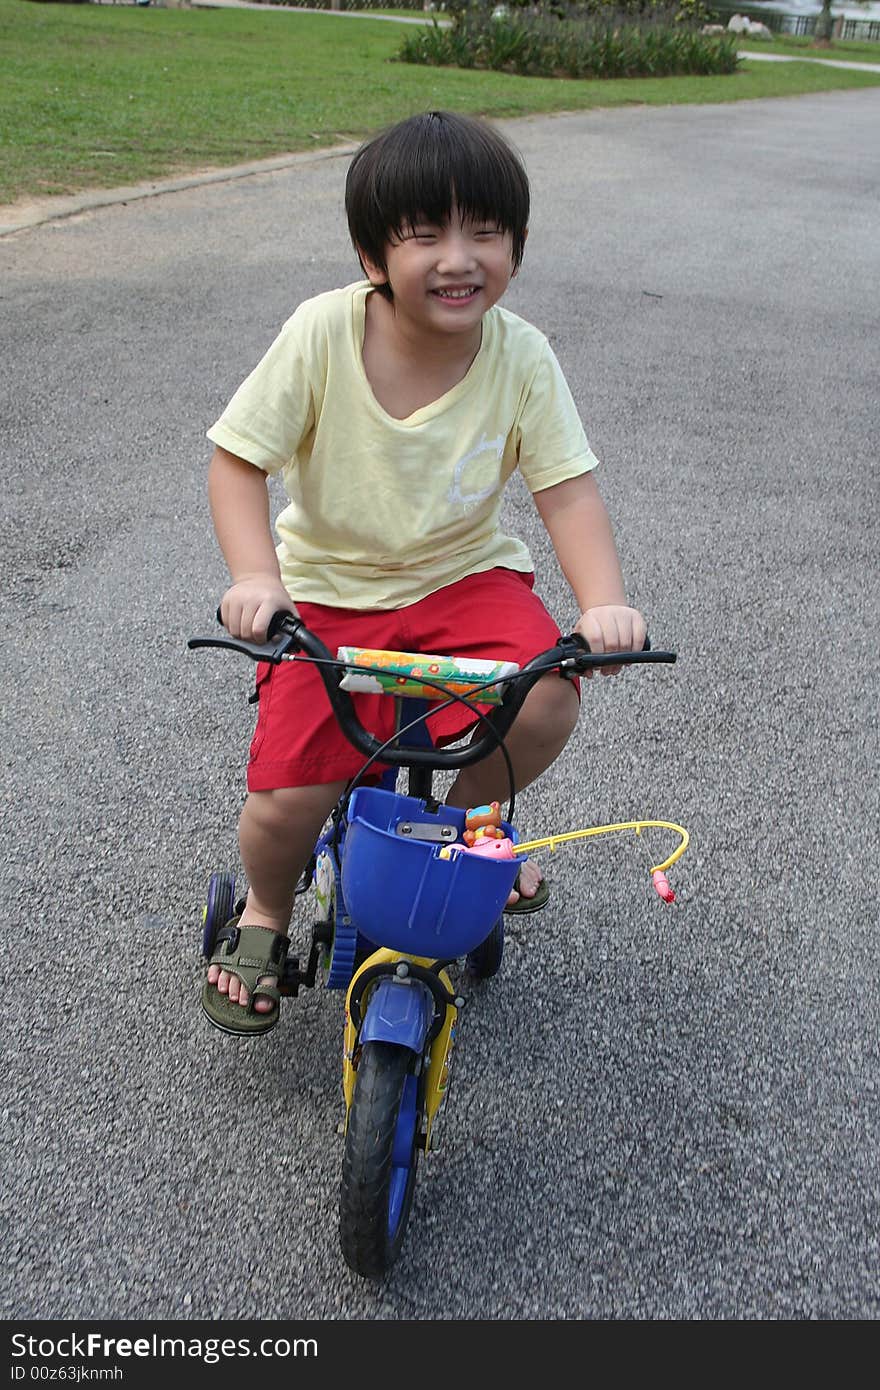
(656, 1112)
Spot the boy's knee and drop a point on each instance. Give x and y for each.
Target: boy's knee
(552, 708)
(285, 808)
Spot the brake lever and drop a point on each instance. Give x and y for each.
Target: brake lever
(281, 640)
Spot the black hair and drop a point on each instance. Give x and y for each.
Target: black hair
(420, 167)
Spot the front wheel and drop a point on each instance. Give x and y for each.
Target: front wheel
(379, 1162)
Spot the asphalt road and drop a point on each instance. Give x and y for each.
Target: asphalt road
(655, 1112)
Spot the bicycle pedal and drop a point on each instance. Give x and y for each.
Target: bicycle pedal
(424, 830)
(288, 985)
(322, 934)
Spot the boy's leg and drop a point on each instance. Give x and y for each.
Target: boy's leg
(541, 730)
(277, 833)
(296, 750)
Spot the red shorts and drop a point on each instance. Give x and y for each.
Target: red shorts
(297, 741)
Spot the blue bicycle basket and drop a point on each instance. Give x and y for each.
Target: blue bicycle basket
(403, 893)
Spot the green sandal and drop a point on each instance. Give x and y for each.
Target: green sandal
(533, 904)
(248, 953)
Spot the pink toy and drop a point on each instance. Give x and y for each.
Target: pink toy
(492, 849)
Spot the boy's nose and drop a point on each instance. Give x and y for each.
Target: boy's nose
(456, 252)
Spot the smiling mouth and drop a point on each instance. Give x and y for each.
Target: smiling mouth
(458, 296)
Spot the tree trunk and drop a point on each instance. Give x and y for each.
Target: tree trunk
(824, 25)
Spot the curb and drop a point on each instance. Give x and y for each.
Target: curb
(56, 209)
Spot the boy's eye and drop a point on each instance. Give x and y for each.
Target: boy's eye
(426, 233)
(422, 231)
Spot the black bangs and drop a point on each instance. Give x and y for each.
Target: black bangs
(418, 169)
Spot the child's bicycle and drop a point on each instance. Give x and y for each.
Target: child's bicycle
(406, 887)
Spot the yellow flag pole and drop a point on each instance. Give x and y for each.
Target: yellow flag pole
(551, 841)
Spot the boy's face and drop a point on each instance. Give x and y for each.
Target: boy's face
(445, 278)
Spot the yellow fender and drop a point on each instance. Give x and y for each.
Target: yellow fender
(437, 1075)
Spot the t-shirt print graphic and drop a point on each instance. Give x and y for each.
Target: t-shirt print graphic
(476, 475)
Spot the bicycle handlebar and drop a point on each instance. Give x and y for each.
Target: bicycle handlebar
(570, 656)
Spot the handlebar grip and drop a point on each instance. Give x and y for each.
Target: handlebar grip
(582, 641)
(276, 622)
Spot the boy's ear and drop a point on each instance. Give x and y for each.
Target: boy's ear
(525, 239)
(374, 273)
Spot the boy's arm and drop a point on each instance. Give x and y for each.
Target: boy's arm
(239, 496)
(579, 527)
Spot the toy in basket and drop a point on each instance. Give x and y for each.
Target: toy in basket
(403, 888)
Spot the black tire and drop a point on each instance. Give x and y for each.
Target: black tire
(485, 961)
(379, 1163)
(219, 907)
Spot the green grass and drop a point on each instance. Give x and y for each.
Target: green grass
(97, 96)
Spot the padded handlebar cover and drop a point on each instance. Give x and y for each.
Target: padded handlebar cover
(402, 673)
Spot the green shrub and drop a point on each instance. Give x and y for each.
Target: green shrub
(585, 39)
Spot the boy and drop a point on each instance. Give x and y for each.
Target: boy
(395, 410)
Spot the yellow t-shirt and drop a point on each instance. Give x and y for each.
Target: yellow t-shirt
(383, 512)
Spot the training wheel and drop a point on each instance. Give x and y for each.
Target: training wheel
(218, 909)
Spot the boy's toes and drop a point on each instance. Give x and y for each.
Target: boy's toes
(219, 977)
(239, 993)
(262, 1005)
(528, 880)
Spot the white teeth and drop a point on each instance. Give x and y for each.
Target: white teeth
(455, 294)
